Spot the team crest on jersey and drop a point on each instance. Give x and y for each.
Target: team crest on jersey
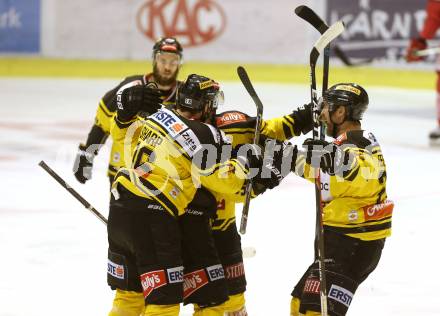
(353, 215)
(174, 193)
(116, 156)
(230, 118)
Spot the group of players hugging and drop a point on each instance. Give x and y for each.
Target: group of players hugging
(178, 166)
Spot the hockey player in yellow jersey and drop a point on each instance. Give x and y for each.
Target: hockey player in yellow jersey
(167, 59)
(356, 211)
(240, 128)
(168, 165)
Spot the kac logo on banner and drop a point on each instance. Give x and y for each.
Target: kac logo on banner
(194, 22)
(19, 26)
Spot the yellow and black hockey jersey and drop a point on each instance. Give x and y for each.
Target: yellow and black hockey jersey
(240, 128)
(174, 156)
(106, 110)
(355, 202)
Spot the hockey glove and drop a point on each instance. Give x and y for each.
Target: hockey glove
(138, 98)
(328, 156)
(415, 45)
(303, 119)
(269, 168)
(82, 167)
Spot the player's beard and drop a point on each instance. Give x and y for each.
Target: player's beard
(160, 80)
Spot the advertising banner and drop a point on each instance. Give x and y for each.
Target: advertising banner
(210, 30)
(19, 26)
(379, 29)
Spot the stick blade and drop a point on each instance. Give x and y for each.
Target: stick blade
(242, 74)
(307, 14)
(333, 31)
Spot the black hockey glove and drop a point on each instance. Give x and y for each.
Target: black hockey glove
(327, 156)
(303, 118)
(269, 167)
(82, 167)
(138, 98)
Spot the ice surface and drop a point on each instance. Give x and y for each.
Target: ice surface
(53, 251)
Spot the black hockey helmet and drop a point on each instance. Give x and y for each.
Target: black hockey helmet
(168, 45)
(199, 94)
(350, 95)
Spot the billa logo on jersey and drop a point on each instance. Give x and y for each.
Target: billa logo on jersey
(194, 22)
(115, 270)
(230, 118)
(152, 280)
(379, 211)
(312, 286)
(194, 281)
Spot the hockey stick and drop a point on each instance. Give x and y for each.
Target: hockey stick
(250, 89)
(63, 183)
(333, 31)
(248, 252)
(308, 15)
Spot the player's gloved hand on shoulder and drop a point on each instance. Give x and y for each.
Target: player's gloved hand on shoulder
(82, 167)
(415, 45)
(303, 118)
(138, 98)
(325, 155)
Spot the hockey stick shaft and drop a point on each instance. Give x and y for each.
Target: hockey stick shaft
(64, 184)
(322, 43)
(427, 52)
(242, 74)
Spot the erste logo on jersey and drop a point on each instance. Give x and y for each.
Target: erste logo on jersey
(340, 295)
(215, 272)
(194, 22)
(115, 270)
(194, 281)
(178, 130)
(230, 118)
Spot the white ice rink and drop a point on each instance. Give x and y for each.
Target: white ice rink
(53, 252)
